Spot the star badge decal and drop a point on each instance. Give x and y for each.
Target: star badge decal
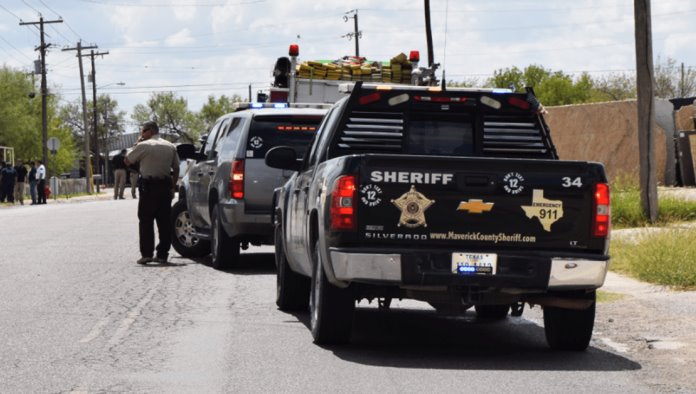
(475, 206)
(412, 205)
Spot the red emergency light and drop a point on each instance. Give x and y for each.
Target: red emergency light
(414, 56)
(294, 50)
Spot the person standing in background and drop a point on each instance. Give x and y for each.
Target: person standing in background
(9, 177)
(119, 167)
(41, 182)
(134, 170)
(32, 183)
(21, 171)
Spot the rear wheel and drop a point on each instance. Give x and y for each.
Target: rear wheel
(184, 240)
(223, 248)
(292, 289)
(569, 329)
(331, 308)
(494, 312)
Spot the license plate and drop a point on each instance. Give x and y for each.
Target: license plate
(474, 263)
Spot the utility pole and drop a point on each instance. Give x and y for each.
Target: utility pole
(88, 164)
(92, 54)
(646, 109)
(356, 33)
(44, 90)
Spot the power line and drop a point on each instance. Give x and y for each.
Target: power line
(10, 12)
(60, 17)
(169, 4)
(18, 51)
(30, 6)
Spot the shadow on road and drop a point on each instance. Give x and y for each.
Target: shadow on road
(249, 264)
(403, 338)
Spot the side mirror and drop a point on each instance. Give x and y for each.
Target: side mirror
(283, 157)
(187, 151)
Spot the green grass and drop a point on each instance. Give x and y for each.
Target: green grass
(626, 210)
(665, 258)
(606, 296)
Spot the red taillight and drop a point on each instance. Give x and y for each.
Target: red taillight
(370, 98)
(237, 179)
(518, 102)
(343, 201)
(602, 210)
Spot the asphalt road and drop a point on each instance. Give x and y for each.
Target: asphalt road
(77, 314)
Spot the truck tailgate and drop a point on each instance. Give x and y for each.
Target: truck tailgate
(478, 203)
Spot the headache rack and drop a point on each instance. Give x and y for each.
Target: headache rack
(375, 120)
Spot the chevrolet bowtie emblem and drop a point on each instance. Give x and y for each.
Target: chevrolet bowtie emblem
(412, 205)
(475, 206)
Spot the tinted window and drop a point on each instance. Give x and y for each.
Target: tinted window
(439, 134)
(266, 132)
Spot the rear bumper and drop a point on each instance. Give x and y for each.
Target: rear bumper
(520, 271)
(238, 223)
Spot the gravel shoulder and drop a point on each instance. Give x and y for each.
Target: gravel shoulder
(653, 326)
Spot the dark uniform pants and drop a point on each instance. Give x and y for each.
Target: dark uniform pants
(155, 206)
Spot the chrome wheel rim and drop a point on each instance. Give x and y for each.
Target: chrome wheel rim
(183, 228)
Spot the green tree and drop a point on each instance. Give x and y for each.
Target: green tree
(215, 108)
(512, 78)
(551, 87)
(20, 115)
(172, 115)
(20, 121)
(110, 121)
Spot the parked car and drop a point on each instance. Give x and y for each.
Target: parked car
(225, 198)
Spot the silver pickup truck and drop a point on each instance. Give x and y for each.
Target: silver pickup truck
(225, 197)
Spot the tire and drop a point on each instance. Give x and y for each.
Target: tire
(493, 312)
(224, 250)
(331, 308)
(183, 239)
(292, 289)
(569, 329)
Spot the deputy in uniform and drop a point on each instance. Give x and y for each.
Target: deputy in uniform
(159, 171)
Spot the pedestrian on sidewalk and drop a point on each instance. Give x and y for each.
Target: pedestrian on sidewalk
(159, 171)
(119, 166)
(41, 182)
(7, 183)
(21, 171)
(32, 183)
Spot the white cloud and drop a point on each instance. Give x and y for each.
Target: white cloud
(180, 38)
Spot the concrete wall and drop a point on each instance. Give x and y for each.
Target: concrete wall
(608, 133)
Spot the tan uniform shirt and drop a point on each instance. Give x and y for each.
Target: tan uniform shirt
(157, 157)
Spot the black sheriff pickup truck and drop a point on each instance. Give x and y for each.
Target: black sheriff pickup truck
(454, 197)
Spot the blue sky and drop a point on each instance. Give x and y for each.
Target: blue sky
(201, 47)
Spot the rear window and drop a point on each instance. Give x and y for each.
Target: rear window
(267, 132)
(440, 134)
